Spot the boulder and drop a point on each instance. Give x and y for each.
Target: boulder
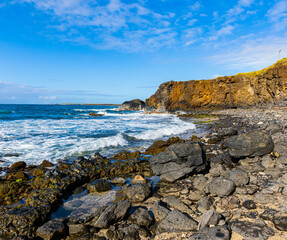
(138, 179)
(17, 166)
(141, 217)
(133, 105)
(195, 195)
(228, 132)
(118, 181)
(54, 229)
(220, 187)
(46, 163)
(250, 144)
(176, 221)
(176, 203)
(99, 185)
(135, 193)
(178, 160)
(209, 218)
(127, 232)
(204, 204)
(113, 213)
(238, 176)
(77, 228)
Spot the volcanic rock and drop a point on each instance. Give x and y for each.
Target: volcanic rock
(178, 161)
(134, 105)
(250, 144)
(141, 217)
(54, 229)
(220, 187)
(241, 90)
(17, 166)
(176, 221)
(99, 185)
(135, 193)
(159, 211)
(252, 231)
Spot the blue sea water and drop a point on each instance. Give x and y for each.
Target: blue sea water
(33, 133)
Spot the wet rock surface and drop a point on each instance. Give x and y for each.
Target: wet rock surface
(99, 185)
(54, 229)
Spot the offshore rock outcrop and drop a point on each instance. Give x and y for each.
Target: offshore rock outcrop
(242, 90)
(133, 105)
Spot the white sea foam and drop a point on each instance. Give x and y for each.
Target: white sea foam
(51, 139)
(159, 130)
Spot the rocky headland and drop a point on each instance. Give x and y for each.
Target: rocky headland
(240, 91)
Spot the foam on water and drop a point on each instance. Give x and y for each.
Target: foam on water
(59, 132)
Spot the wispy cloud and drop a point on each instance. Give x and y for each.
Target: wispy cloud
(196, 6)
(278, 15)
(226, 30)
(113, 24)
(253, 53)
(131, 26)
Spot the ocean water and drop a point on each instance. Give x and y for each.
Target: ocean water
(33, 133)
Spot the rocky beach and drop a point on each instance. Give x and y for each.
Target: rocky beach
(209, 187)
(229, 182)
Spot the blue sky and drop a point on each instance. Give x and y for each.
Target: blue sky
(109, 51)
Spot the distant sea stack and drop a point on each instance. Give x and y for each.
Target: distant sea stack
(133, 105)
(242, 90)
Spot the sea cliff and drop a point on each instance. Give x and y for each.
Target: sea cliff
(242, 90)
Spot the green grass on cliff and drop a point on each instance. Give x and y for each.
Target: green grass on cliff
(281, 62)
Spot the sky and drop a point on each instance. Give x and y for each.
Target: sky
(110, 51)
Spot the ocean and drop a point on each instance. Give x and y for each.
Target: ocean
(33, 133)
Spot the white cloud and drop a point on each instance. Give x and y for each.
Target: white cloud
(192, 22)
(245, 3)
(190, 35)
(196, 6)
(226, 30)
(107, 24)
(278, 11)
(254, 53)
(278, 15)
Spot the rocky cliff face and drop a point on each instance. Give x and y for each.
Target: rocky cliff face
(242, 90)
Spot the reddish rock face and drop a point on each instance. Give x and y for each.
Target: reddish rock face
(242, 90)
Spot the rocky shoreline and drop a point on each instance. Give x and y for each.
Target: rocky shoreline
(230, 183)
